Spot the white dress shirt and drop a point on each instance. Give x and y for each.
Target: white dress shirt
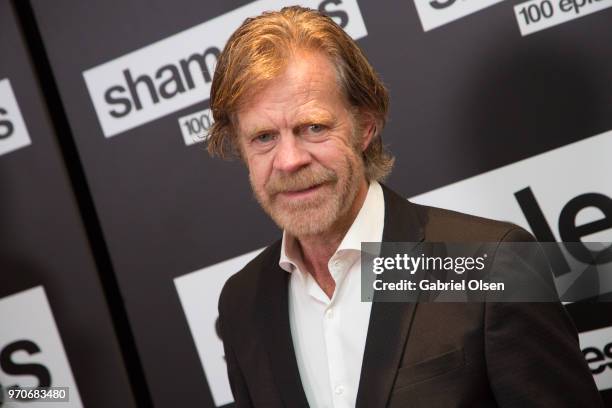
(329, 335)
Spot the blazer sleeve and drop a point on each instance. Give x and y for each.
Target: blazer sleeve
(533, 355)
(237, 382)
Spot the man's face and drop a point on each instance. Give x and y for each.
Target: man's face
(303, 150)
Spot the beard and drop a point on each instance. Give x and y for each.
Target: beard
(323, 209)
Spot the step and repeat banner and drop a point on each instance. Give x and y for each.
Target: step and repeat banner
(55, 327)
(498, 108)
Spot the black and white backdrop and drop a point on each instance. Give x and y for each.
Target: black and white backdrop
(117, 231)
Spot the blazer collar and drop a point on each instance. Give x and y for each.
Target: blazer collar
(403, 222)
(387, 332)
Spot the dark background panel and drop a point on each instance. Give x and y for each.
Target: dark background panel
(43, 240)
(475, 83)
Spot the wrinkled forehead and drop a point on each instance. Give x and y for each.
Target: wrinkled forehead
(308, 81)
(313, 67)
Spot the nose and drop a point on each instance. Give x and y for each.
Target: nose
(290, 155)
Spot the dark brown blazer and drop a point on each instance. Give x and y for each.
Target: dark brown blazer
(433, 355)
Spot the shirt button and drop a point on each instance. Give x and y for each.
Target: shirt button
(339, 390)
(329, 314)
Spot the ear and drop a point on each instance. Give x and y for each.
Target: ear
(369, 130)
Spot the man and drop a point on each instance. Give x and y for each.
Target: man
(296, 99)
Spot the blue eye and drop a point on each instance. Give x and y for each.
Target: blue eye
(264, 138)
(315, 128)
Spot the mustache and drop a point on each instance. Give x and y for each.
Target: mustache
(300, 180)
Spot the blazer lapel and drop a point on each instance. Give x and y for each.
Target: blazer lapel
(389, 321)
(276, 333)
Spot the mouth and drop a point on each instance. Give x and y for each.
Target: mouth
(304, 193)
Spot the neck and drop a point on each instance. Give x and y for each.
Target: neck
(318, 249)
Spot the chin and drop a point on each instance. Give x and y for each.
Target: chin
(302, 229)
(303, 224)
(311, 221)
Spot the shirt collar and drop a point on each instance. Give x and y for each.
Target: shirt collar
(367, 227)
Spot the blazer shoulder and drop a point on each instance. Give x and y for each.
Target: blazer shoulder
(447, 225)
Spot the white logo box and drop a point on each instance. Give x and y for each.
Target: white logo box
(19, 137)
(199, 293)
(598, 339)
(554, 177)
(450, 10)
(536, 15)
(27, 316)
(147, 60)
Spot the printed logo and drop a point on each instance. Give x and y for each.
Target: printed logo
(536, 15)
(31, 351)
(194, 127)
(435, 13)
(597, 349)
(176, 72)
(13, 132)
